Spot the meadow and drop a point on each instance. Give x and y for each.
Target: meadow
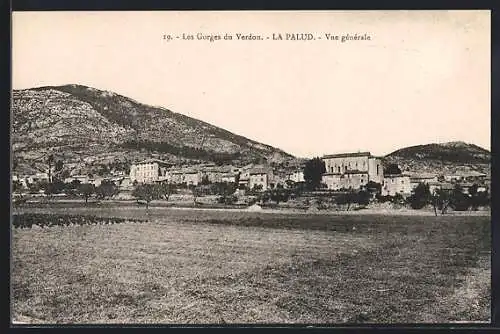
(232, 267)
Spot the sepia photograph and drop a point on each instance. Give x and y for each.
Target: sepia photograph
(250, 167)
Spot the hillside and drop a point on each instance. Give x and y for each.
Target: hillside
(451, 157)
(84, 126)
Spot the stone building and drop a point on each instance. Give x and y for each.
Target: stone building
(351, 170)
(396, 184)
(188, 176)
(215, 174)
(426, 178)
(260, 177)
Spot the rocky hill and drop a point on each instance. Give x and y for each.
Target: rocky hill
(445, 158)
(83, 126)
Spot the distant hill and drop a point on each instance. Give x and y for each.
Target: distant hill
(84, 125)
(448, 157)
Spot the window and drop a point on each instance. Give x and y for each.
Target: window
(378, 169)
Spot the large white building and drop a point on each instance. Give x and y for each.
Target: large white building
(148, 171)
(351, 170)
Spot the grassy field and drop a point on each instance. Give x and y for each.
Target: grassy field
(197, 267)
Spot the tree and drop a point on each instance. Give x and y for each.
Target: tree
(86, 190)
(264, 197)
(72, 187)
(279, 195)
(196, 193)
(392, 169)
(482, 198)
(36, 186)
(166, 189)
(106, 189)
(146, 192)
(229, 199)
(313, 171)
(226, 192)
(17, 186)
(59, 166)
(473, 193)
(346, 198)
(397, 199)
(441, 200)
(237, 180)
(420, 197)
(50, 161)
(54, 187)
(75, 183)
(205, 180)
(363, 197)
(459, 200)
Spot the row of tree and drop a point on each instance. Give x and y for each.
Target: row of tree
(105, 190)
(443, 199)
(149, 192)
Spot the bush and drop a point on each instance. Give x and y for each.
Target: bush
(27, 220)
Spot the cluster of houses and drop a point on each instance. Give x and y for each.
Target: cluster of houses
(343, 171)
(250, 176)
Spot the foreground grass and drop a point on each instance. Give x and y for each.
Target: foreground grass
(185, 267)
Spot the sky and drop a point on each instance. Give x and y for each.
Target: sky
(422, 77)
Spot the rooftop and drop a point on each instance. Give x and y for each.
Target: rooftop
(184, 171)
(150, 161)
(423, 176)
(259, 170)
(397, 175)
(348, 155)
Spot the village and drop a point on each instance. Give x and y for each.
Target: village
(344, 172)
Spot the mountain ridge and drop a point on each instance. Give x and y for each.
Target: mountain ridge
(89, 122)
(88, 126)
(449, 157)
